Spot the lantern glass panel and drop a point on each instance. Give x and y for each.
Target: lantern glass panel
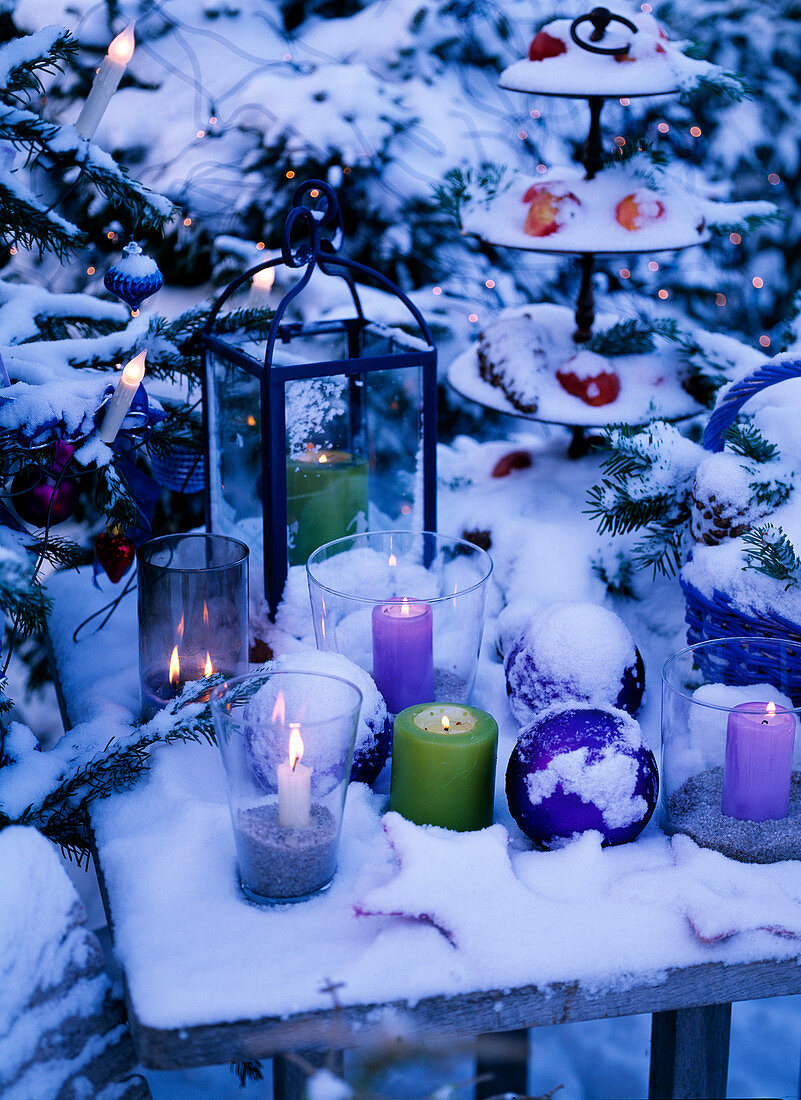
(353, 441)
(235, 450)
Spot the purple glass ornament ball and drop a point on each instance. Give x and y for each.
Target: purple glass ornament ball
(38, 496)
(576, 769)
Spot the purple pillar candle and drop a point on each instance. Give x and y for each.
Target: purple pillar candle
(403, 653)
(759, 762)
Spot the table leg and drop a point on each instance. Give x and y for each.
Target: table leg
(290, 1075)
(503, 1059)
(690, 1053)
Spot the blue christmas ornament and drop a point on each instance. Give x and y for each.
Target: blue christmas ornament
(134, 277)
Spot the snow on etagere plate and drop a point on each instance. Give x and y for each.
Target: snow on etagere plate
(618, 211)
(526, 364)
(631, 207)
(652, 65)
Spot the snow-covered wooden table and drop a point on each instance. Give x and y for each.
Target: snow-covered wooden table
(423, 931)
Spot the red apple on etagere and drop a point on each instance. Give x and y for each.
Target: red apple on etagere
(639, 209)
(590, 378)
(544, 45)
(548, 210)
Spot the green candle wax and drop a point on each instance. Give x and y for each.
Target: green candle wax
(443, 766)
(325, 492)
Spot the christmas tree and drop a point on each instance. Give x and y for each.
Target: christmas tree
(387, 107)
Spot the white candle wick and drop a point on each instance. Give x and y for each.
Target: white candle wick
(106, 82)
(121, 399)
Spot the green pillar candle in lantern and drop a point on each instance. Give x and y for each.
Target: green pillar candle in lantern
(443, 766)
(326, 490)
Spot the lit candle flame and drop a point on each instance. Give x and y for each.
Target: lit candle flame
(405, 607)
(121, 48)
(322, 458)
(446, 724)
(251, 421)
(134, 372)
(295, 744)
(208, 668)
(771, 710)
(264, 279)
(392, 562)
(175, 667)
(279, 710)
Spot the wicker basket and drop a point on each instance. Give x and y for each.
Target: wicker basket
(715, 617)
(182, 471)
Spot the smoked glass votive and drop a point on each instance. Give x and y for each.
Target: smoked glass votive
(408, 607)
(286, 740)
(193, 613)
(731, 749)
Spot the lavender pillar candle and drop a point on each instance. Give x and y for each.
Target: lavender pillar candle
(759, 762)
(403, 653)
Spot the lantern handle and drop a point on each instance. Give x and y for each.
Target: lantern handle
(325, 213)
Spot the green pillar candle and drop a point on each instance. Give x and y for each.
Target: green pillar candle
(325, 492)
(443, 766)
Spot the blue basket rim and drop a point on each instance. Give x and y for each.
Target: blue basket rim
(747, 640)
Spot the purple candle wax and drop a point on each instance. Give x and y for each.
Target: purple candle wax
(403, 653)
(759, 762)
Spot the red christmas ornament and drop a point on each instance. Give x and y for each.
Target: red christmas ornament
(545, 45)
(115, 554)
(39, 496)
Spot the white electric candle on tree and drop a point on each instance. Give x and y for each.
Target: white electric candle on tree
(121, 399)
(106, 82)
(294, 785)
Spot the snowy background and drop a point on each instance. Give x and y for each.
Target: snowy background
(226, 106)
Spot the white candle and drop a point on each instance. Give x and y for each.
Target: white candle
(121, 399)
(294, 785)
(106, 82)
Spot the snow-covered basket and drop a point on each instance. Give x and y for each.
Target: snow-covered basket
(730, 747)
(716, 614)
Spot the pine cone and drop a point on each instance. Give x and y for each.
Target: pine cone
(722, 500)
(714, 520)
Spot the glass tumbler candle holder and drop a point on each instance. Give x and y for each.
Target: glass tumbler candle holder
(407, 607)
(193, 613)
(730, 747)
(286, 740)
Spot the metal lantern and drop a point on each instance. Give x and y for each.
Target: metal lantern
(330, 429)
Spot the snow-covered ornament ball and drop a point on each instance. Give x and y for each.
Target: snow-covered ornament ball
(134, 277)
(266, 748)
(577, 769)
(578, 652)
